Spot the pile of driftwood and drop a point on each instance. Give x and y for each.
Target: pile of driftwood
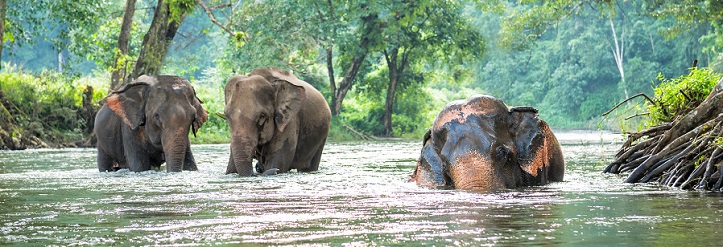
(686, 152)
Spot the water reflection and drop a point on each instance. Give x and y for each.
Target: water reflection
(359, 196)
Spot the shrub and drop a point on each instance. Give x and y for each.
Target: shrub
(47, 104)
(680, 95)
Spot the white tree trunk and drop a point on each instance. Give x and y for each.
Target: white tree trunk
(618, 53)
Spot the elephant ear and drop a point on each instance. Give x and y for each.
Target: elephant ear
(531, 140)
(201, 113)
(429, 169)
(289, 99)
(290, 93)
(129, 103)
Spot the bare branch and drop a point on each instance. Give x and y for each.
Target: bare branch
(209, 11)
(225, 5)
(638, 115)
(628, 99)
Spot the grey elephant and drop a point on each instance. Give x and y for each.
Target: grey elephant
(277, 119)
(146, 123)
(480, 144)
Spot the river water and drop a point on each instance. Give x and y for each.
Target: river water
(359, 197)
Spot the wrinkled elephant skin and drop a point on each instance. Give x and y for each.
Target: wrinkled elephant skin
(277, 119)
(147, 123)
(480, 144)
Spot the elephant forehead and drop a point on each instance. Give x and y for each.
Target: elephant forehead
(460, 112)
(177, 86)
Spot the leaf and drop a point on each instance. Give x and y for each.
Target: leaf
(239, 39)
(8, 37)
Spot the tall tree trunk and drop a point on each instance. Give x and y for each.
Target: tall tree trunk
(157, 40)
(370, 26)
(119, 76)
(391, 89)
(330, 69)
(396, 68)
(346, 83)
(3, 7)
(60, 61)
(618, 53)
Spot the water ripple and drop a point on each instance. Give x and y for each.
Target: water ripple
(360, 196)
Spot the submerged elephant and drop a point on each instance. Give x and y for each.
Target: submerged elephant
(146, 123)
(481, 145)
(277, 119)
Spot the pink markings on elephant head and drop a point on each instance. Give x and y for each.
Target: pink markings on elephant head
(538, 162)
(544, 153)
(461, 109)
(114, 104)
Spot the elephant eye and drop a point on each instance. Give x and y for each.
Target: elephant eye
(157, 118)
(262, 120)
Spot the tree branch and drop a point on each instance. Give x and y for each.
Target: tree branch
(628, 99)
(225, 5)
(209, 11)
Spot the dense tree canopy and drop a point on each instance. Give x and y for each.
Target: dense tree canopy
(385, 67)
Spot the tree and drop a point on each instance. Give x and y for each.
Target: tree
(119, 70)
(289, 34)
(688, 14)
(367, 40)
(423, 30)
(168, 16)
(54, 22)
(135, 52)
(684, 149)
(619, 53)
(3, 9)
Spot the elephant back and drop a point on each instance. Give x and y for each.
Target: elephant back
(275, 74)
(150, 80)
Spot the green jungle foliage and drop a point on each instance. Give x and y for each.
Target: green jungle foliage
(556, 56)
(570, 74)
(679, 95)
(215, 130)
(47, 104)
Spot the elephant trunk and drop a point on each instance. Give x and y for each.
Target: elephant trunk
(242, 149)
(175, 143)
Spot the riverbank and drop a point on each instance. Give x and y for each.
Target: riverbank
(51, 110)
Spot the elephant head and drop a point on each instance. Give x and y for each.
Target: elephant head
(258, 107)
(481, 145)
(162, 110)
(538, 152)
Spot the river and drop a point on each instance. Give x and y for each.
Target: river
(359, 197)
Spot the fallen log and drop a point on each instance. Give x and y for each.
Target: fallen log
(360, 135)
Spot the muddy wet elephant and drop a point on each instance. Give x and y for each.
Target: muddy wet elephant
(277, 119)
(480, 144)
(147, 123)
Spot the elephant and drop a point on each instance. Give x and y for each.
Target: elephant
(146, 123)
(480, 144)
(277, 119)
